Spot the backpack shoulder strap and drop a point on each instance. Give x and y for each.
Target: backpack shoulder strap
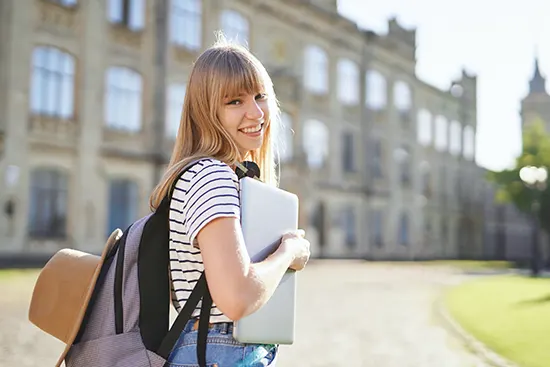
(153, 265)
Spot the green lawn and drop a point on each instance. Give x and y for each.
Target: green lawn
(472, 264)
(6, 274)
(510, 314)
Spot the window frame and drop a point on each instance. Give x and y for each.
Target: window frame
(129, 96)
(52, 77)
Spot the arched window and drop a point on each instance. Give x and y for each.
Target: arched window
(130, 13)
(235, 27)
(283, 137)
(186, 23)
(348, 82)
(349, 227)
(316, 69)
(376, 93)
(123, 204)
(424, 133)
(469, 142)
(404, 230)
(316, 143)
(124, 87)
(52, 83)
(402, 96)
(48, 203)
(455, 135)
(441, 133)
(175, 97)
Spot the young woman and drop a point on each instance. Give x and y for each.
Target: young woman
(227, 117)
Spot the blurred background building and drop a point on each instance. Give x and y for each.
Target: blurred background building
(384, 163)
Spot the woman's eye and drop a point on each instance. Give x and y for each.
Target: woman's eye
(261, 96)
(234, 102)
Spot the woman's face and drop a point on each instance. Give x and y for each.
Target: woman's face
(244, 117)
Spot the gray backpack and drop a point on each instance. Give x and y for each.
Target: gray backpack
(126, 323)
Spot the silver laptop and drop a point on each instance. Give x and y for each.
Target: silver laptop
(267, 213)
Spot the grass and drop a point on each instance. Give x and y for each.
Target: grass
(472, 264)
(509, 314)
(9, 274)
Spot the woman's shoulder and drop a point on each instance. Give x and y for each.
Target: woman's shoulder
(205, 170)
(209, 166)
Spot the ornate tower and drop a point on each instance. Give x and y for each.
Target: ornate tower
(536, 105)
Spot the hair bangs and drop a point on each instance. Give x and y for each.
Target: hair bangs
(240, 75)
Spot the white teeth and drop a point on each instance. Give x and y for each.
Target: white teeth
(250, 130)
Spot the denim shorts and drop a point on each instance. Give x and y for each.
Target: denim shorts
(222, 350)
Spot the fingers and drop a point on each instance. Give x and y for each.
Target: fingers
(298, 233)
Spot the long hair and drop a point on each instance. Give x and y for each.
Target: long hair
(222, 70)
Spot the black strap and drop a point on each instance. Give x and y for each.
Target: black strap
(153, 272)
(119, 277)
(204, 320)
(184, 315)
(153, 265)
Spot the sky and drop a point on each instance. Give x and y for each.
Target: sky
(496, 40)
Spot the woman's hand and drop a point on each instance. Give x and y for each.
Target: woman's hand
(298, 246)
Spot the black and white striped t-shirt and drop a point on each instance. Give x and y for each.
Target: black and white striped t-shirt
(206, 191)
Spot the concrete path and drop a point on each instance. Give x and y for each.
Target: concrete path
(350, 314)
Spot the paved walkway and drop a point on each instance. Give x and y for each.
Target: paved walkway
(350, 314)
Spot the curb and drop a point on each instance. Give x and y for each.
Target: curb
(478, 348)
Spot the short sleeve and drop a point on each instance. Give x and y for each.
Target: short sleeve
(213, 193)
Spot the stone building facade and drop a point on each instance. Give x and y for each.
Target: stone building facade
(90, 97)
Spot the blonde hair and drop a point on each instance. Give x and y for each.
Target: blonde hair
(222, 70)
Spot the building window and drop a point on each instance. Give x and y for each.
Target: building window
(235, 27)
(424, 130)
(376, 159)
(441, 133)
(52, 85)
(283, 137)
(469, 142)
(427, 231)
(48, 204)
(123, 204)
(129, 13)
(403, 101)
(316, 70)
(404, 230)
(123, 88)
(348, 152)
(349, 228)
(443, 181)
(67, 3)
(376, 93)
(403, 159)
(427, 184)
(402, 96)
(186, 23)
(455, 146)
(316, 143)
(377, 228)
(176, 95)
(348, 82)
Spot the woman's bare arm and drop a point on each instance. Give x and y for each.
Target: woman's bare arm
(239, 287)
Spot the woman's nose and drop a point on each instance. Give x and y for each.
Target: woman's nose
(254, 111)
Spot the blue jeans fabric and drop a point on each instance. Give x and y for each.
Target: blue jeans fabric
(222, 349)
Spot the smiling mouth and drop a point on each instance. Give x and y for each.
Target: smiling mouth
(252, 130)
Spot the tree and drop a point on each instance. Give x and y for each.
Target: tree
(510, 188)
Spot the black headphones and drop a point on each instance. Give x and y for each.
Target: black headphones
(247, 169)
